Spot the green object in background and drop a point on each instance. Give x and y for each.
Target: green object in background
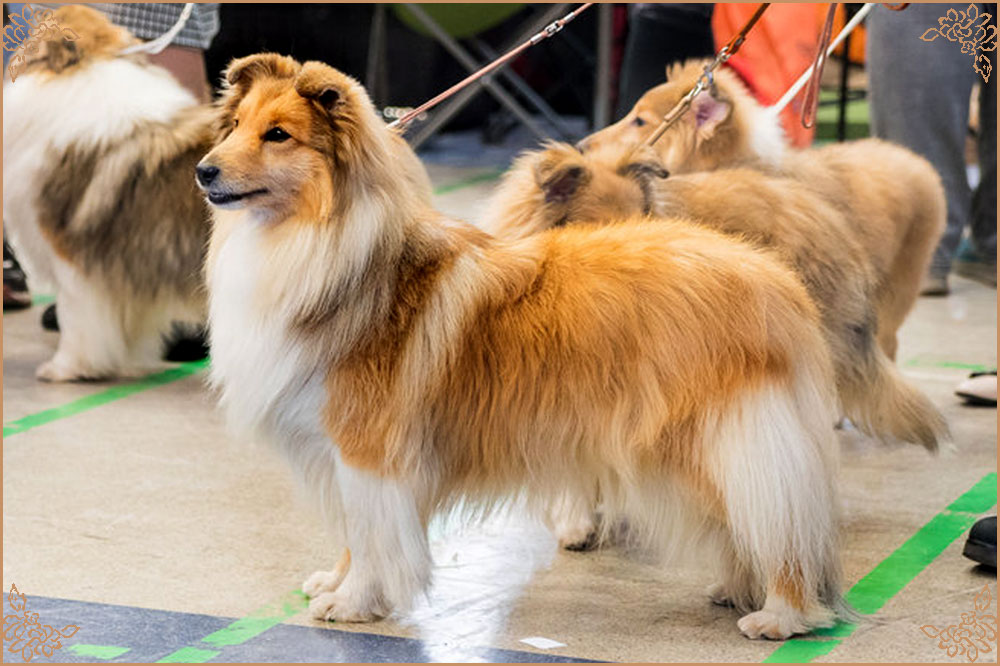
(460, 20)
(827, 114)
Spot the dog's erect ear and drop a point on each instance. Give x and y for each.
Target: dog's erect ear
(242, 71)
(60, 54)
(322, 84)
(709, 112)
(562, 183)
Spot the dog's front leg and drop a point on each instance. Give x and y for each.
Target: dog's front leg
(390, 560)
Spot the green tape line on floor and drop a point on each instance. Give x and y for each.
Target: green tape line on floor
(97, 651)
(244, 629)
(102, 398)
(896, 571)
(189, 655)
(801, 651)
(259, 621)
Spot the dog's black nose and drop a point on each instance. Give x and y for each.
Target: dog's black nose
(206, 174)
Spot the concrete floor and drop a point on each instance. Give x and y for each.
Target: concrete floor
(130, 513)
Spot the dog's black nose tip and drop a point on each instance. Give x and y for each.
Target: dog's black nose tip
(206, 174)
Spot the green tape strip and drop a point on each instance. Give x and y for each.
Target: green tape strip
(469, 182)
(923, 363)
(42, 299)
(89, 402)
(897, 570)
(259, 621)
(97, 651)
(800, 651)
(244, 629)
(189, 655)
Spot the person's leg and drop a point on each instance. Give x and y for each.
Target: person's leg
(659, 35)
(984, 200)
(920, 99)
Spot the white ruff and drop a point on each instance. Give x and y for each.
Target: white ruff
(767, 138)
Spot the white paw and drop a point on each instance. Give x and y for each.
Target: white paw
(770, 624)
(719, 595)
(340, 607)
(56, 371)
(322, 581)
(578, 538)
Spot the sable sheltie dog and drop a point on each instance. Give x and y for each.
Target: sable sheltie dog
(98, 198)
(892, 198)
(561, 186)
(405, 362)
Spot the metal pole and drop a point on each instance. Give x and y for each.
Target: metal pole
(602, 82)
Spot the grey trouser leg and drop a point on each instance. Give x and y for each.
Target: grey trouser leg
(984, 200)
(920, 99)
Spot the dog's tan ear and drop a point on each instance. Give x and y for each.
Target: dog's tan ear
(323, 84)
(710, 110)
(243, 71)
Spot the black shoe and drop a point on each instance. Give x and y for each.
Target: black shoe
(982, 544)
(49, 320)
(15, 285)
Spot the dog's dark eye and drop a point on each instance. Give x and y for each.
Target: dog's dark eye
(276, 134)
(638, 122)
(236, 123)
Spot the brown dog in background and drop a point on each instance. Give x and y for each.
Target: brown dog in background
(892, 199)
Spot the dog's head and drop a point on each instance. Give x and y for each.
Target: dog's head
(567, 186)
(69, 37)
(292, 139)
(710, 133)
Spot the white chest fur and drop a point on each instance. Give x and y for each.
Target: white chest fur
(267, 381)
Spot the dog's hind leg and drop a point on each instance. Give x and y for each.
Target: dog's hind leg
(92, 339)
(390, 560)
(573, 520)
(775, 466)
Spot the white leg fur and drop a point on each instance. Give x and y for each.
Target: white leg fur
(573, 521)
(390, 558)
(776, 458)
(92, 343)
(99, 336)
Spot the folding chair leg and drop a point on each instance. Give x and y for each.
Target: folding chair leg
(526, 91)
(470, 64)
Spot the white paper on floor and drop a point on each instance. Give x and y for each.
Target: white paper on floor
(542, 643)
